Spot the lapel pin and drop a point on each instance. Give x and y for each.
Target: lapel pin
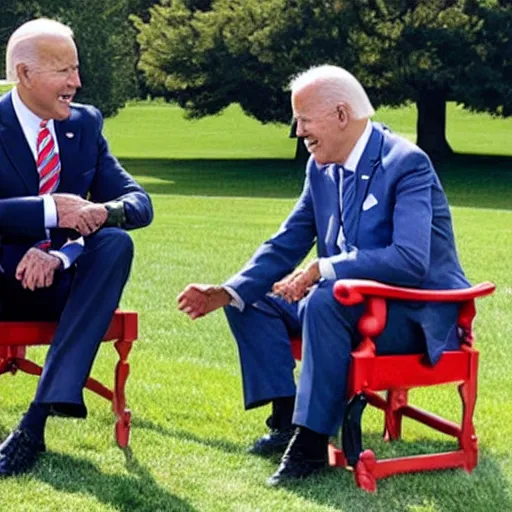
(365, 177)
(70, 135)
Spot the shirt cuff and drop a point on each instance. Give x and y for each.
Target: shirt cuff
(50, 211)
(326, 268)
(69, 252)
(236, 300)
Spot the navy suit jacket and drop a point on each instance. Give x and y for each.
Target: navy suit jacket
(88, 169)
(405, 238)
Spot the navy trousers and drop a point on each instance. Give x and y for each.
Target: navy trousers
(328, 330)
(83, 300)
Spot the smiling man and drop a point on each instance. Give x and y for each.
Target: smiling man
(374, 206)
(62, 257)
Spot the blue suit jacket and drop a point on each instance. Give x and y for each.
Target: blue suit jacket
(406, 238)
(87, 169)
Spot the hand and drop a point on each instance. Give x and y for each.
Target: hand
(197, 300)
(76, 213)
(297, 284)
(37, 269)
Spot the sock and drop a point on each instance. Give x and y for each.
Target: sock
(282, 412)
(313, 444)
(34, 420)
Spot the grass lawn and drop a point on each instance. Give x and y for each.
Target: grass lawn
(220, 186)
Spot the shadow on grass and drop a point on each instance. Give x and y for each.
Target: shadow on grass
(218, 444)
(137, 491)
(476, 181)
(483, 490)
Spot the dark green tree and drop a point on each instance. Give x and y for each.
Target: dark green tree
(245, 51)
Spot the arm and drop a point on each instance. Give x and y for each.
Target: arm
(271, 261)
(22, 216)
(130, 206)
(279, 255)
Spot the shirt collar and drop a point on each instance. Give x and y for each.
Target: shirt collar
(25, 116)
(30, 123)
(357, 151)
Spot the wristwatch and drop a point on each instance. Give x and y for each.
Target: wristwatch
(115, 214)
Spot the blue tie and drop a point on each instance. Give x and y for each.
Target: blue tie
(348, 216)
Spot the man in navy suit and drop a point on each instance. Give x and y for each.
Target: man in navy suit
(374, 206)
(64, 251)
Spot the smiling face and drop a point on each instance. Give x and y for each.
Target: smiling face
(47, 85)
(322, 124)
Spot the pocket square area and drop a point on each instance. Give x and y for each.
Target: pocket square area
(369, 202)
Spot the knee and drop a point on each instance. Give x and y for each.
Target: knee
(318, 302)
(114, 242)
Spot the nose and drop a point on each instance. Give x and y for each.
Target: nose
(74, 79)
(300, 131)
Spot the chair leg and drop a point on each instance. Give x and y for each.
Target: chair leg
(396, 400)
(123, 415)
(468, 440)
(364, 471)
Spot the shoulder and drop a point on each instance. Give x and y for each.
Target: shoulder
(399, 153)
(86, 114)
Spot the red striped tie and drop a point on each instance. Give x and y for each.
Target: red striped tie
(48, 162)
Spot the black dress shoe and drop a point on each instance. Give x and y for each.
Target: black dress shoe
(296, 465)
(272, 443)
(19, 452)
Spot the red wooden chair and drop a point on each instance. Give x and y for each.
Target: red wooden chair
(396, 374)
(16, 336)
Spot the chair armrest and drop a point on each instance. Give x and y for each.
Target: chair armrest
(353, 291)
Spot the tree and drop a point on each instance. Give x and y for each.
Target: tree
(245, 51)
(14, 13)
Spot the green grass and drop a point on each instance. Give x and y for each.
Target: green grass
(217, 193)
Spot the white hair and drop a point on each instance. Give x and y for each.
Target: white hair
(338, 85)
(21, 47)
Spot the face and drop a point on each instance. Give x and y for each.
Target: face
(321, 126)
(48, 86)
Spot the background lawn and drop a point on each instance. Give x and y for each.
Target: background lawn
(220, 186)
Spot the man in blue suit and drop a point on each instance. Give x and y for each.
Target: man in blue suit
(374, 206)
(65, 203)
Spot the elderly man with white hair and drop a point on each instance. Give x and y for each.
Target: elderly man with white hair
(375, 209)
(52, 156)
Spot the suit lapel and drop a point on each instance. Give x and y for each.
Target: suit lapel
(16, 146)
(68, 138)
(369, 161)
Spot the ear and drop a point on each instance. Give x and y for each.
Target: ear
(23, 74)
(343, 114)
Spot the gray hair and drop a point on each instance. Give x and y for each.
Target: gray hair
(21, 47)
(337, 85)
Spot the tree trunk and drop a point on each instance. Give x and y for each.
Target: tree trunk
(301, 153)
(431, 125)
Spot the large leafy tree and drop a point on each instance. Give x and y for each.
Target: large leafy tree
(245, 51)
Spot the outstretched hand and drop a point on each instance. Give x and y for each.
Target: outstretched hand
(296, 285)
(197, 300)
(74, 212)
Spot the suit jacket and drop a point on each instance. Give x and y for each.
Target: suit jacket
(402, 231)
(87, 169)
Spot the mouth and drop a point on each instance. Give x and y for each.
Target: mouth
(66, 98)
(311, 144)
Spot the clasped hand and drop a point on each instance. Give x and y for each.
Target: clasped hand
(74, 212)
(37, 269)
(296, 285)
